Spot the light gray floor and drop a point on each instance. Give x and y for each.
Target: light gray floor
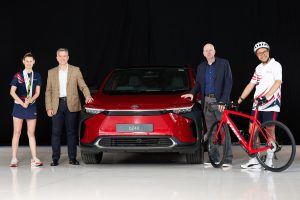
(142, 177)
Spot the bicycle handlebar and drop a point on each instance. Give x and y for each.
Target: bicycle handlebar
(228, 105)
(234, 104)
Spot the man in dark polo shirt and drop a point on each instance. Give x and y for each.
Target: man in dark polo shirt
(214, 82)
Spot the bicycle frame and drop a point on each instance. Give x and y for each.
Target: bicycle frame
(248, 146)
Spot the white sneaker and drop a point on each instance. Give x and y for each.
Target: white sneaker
(35, 162)
(14, 162)
(251, 164)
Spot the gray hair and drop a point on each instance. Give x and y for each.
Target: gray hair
(62, 49)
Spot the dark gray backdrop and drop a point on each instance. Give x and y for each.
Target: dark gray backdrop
(101, 35)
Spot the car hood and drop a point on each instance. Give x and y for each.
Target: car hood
(138, 102)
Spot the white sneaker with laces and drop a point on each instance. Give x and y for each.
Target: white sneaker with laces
(251, 164)
(35, 162)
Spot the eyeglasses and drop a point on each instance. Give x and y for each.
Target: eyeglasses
(262, 53)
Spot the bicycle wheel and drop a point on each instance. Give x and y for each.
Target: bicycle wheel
(282, 153)
(217, 146)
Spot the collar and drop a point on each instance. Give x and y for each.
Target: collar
(62, 69)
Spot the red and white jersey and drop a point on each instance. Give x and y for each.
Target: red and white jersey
(264, 77)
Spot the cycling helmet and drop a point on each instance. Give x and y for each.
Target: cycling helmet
(260, 45)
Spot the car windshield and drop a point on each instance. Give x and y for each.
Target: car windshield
(147, 80)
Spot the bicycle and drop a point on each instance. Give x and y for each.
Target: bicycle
(260, 141)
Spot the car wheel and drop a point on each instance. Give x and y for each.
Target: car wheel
(91, 158)
(197, 157)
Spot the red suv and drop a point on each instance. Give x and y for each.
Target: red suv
(140, 110)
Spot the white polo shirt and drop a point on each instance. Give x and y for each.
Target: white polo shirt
(264, 77)
(63, 78)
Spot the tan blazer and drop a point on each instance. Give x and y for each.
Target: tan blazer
(75, 81)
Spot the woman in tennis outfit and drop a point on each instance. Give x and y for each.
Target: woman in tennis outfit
(25, 89)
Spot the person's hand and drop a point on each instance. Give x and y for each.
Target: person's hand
(29, 99)
(188, 96)
(262, 100)
(89, 100)
(25, 104)
(50, 113)
(221, 108)
(236, 103)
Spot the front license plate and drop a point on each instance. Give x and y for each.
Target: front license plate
(134, 128)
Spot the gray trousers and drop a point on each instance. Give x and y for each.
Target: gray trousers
(212, 114)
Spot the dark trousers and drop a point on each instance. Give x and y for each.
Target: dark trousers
(64, 116)
(212, 114)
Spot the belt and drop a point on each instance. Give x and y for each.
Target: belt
(63, 98)
(211, 95)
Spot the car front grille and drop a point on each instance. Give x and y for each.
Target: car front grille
(135, 142)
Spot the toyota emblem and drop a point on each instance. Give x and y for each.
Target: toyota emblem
(135, 107)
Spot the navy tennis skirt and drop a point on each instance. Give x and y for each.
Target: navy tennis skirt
(24, 113)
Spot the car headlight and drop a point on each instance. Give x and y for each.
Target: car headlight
(93, 110)
(181, 109)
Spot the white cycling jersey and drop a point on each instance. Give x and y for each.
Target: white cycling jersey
(264, 77)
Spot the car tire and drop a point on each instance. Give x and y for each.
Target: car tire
(91, 158)
(197, 157)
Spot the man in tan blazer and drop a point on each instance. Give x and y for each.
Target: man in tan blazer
(63, 104)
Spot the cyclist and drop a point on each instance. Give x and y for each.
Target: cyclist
(267, 80)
